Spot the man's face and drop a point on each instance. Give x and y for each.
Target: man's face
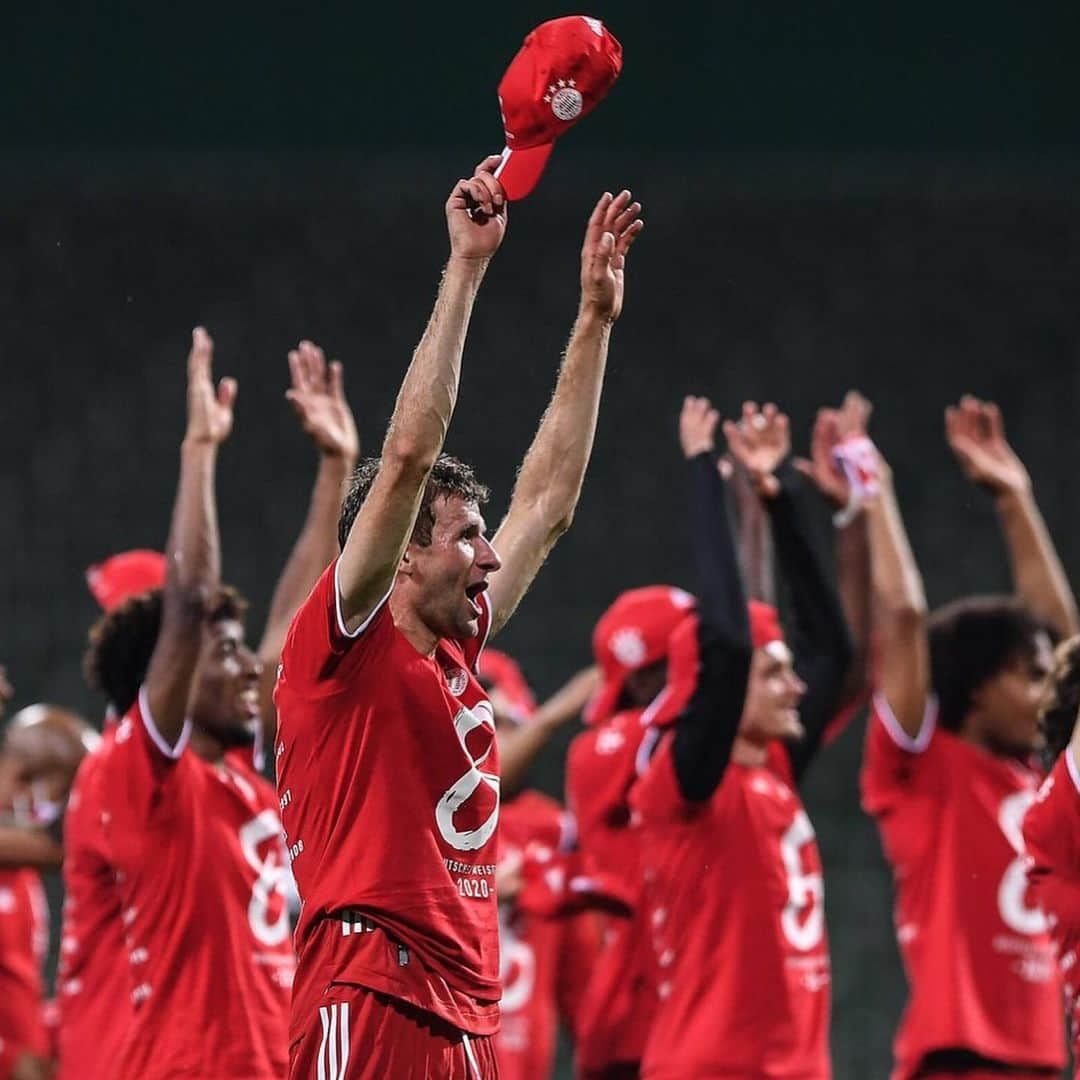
(1006, 712)
(226, 697)
(773, 694)
(445, 578)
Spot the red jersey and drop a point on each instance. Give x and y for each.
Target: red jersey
(736, 919)
(1052, 839)
(388, 779)
(601, 767)
(978, 958)
(203, 882)
(544, 958)
(93, 992)
(24, 939)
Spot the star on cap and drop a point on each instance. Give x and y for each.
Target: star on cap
(562, 82)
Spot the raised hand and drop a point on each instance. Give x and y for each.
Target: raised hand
(759, 442)
(697, 426)
(210, 408)
(476, 213)
(831, 428)
(317, 396)
(976, 435)
(612, 228)
(7, 691)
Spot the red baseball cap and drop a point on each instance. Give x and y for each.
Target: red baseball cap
(504, 675)
(561, 73)
(634, 633)
(684, 661)
(124, 575)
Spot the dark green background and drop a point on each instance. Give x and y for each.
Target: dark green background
(836, 195)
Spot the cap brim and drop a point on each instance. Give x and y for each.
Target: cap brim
(520, 170)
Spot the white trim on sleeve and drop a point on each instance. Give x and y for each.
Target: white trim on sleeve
(898, 735)
(341, 615)
(159, 740)
(645, 749)
(484, 599)
(1070, 764)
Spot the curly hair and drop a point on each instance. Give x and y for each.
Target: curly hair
(449, 477)
(971, 641)
(122, 641)
(1061, 697)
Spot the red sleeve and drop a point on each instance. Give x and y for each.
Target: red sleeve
(894, 763)
(137, 779)
(1052, 838)
(318, 649)
(656, 794)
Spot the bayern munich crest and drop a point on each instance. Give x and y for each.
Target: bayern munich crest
(565, 99)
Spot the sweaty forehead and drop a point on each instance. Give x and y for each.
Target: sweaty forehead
(226, 630)
(453, 512)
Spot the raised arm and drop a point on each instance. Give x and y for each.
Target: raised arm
(819, 637)
(549, 483)
(903, 662)
(318, 397)
(976, 435)
(707, 726)
(476, 219)
(519, 746)
(193, 551)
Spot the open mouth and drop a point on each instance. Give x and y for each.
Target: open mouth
(472, 594)
(249, 702)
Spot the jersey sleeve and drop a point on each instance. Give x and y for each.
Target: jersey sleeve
(319, 651)
(474, 646)
(137, 782)
(896, 764)
(657, 795)
(1052, 840)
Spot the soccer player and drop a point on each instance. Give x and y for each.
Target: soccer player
(194, 838)
(41, 751)
(387, 765)
(733, 881)
(94, 981)
(1052, 825)
(947, 776)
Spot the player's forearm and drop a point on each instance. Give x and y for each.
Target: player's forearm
(426, 400)
(897, 583)
(855, 589)
(1038, 576)
(29, 847)
(755, 541)
(553, 471)
(313, 551)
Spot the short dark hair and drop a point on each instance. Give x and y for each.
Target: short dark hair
(971, 641)
(122, 641)
(449, 477)
(1061, 698)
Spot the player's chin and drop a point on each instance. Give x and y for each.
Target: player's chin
(237, 733)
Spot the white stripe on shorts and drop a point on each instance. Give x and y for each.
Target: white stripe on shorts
(470, 1056)
(335, 1040)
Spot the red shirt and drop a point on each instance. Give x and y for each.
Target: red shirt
(736, 914)
(544, 958)
(601, 767)
(1052, 838)
(93, 991)
(979, 961)
(24, 939)
(203, 880)
(388, 779)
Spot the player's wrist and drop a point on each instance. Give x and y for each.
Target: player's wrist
(197, 443)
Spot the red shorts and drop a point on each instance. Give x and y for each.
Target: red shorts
(357, 1034)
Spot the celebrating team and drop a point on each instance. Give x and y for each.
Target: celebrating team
(673, 914)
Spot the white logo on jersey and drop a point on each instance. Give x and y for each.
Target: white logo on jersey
(517, 969)
(1015, 912)
(465, 786)
(803, 919)
(272, 878)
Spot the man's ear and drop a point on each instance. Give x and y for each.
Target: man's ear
(405, 566)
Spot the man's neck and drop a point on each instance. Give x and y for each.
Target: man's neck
(207, 747)
(744, 752)
(406, 620)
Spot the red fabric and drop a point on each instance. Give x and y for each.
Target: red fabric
(979, 961)
(616, 1008)
(93, 993)
(352, 1033)
(765, 625)
(561, 73)
(633, 633)
(24, 939)
(503, 672)
(131, 572)
(203, 878)
(736, 923)
(388, 777)
(1052, 840)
